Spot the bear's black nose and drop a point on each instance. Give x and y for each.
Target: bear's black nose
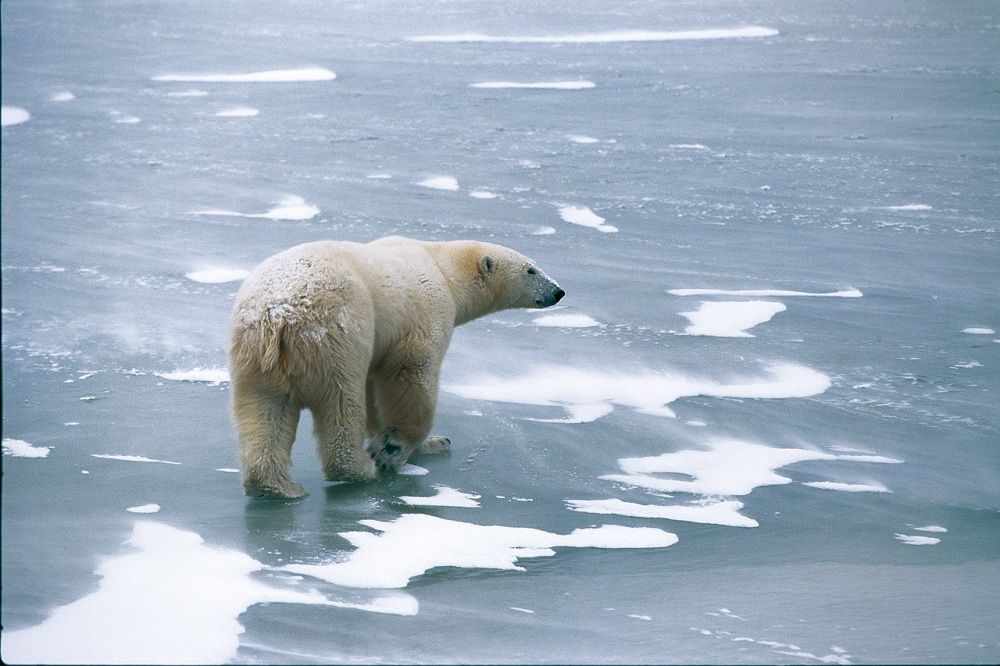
(558, 295)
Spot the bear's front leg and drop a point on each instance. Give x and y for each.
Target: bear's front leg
(406, 394)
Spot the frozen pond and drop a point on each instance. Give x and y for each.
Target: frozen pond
(762, 427)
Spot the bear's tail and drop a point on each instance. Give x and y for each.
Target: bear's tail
(259, 346)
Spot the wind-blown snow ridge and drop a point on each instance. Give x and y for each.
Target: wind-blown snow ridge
(269, 76)
(608, 37)
(429, 542)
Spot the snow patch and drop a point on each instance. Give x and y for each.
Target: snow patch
(217, 275)
(238, 112)
(915, 540)
(582, 138)
(535, 85)
(65, 96)
(192, 596)
(849, 293)
(730, 319)
(910, 207)
(291, 207)
(447, 183)
(593, 393)
(568, 320)
(712, 513)
(144, 508)
(13, 115)
(18, 448)
(445, 496)
(213, 376)
(979, 331)
(430, 542)
(723, 467)
(585, 217)
(848, 487)
(128, 458)
(608, 37)
(269, 76)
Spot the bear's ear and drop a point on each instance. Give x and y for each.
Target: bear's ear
(486, 264)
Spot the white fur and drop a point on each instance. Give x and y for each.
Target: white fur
(356, 333)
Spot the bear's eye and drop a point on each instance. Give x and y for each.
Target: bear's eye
(532, 271)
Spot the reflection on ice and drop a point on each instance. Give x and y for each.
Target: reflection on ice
(594, 392)
(413, 544)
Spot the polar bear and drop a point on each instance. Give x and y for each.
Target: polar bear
(356, 334)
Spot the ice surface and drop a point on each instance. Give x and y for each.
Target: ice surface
(849, 293)
(144, 508)
(585, 217)
(607, 37)
(238, 112)
(724, 467)
(413, 544)
(730, 319)
(848, 487)
(482, 194)
(541, 85)
(217, 275)
(979, 331)
(13, 115)
(714, 513)
(543, 231)
(596, 391)
(567, 320)
(689, 146)
(270, 76)
(444, 496)
(65, 96)
(213, 376)
(292, 207)
(18, 448)
(582, 138)
(174, 600)
(916, 540)
(448, 183)
(130, 458)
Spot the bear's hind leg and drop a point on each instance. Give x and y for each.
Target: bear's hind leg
(340, 424)
(266, 420)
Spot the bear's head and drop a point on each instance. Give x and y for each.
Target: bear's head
(514, 281)
(487, 277)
